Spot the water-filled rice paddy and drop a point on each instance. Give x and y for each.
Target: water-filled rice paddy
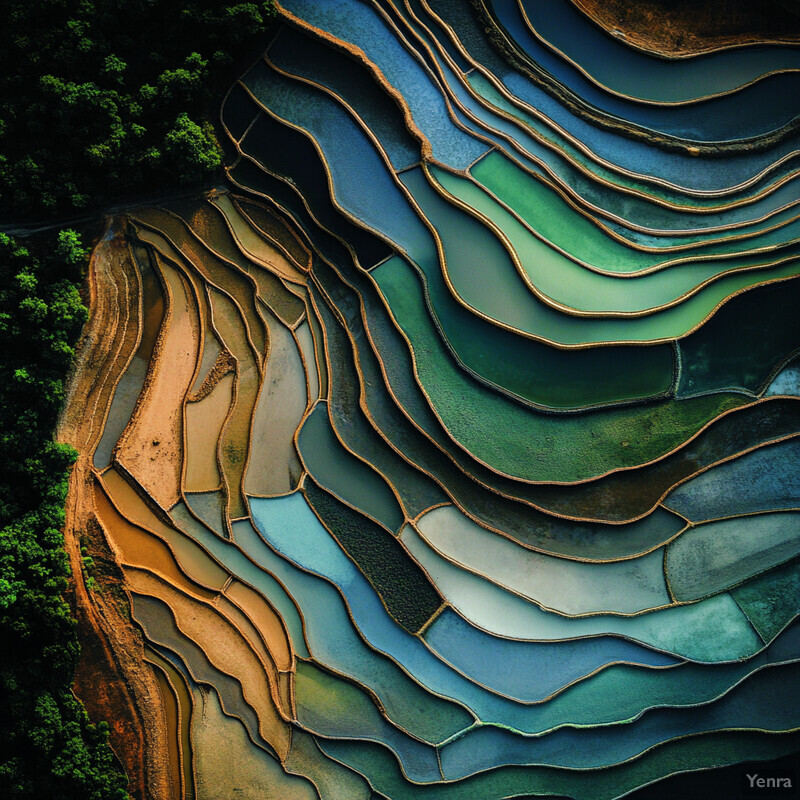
(450, 449)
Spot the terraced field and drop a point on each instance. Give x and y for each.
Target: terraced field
(451, 450)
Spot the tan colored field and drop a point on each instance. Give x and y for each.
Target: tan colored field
(689, 27)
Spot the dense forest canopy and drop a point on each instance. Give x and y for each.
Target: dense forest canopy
(101, 99)
(48, 747)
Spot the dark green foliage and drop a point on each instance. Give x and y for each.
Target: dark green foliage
(41, 315)
(193, 148)
(103, 98)
(48, 748)
(402, 585)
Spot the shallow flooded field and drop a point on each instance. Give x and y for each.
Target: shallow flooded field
(450, 449)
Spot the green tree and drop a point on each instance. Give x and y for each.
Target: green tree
(88, 103)
(192, 149)
(48, 747)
